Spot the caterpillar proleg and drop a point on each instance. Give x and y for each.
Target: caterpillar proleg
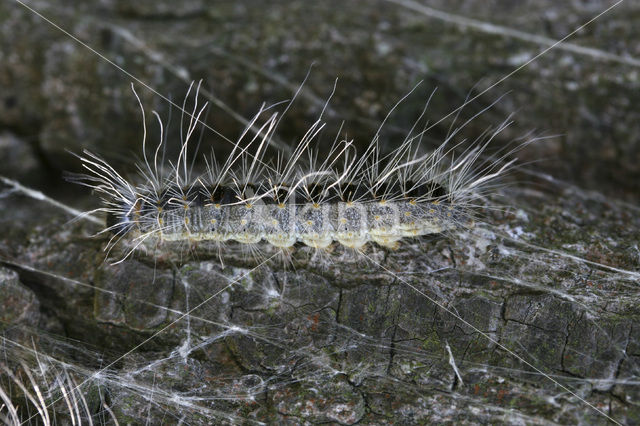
(344, 196)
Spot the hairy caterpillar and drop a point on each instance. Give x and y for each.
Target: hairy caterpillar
(348, 198)
(362, 353)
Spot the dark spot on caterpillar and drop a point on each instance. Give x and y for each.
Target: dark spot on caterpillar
(431, 189)
(118, 224)
(276, 196)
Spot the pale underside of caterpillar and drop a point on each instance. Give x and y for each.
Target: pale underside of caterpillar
(346, 198)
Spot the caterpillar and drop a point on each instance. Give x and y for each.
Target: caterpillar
(347, 197)
(330, 352)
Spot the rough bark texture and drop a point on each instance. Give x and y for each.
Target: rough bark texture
(338, 338)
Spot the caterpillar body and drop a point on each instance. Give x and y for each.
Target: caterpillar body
(347, 198)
